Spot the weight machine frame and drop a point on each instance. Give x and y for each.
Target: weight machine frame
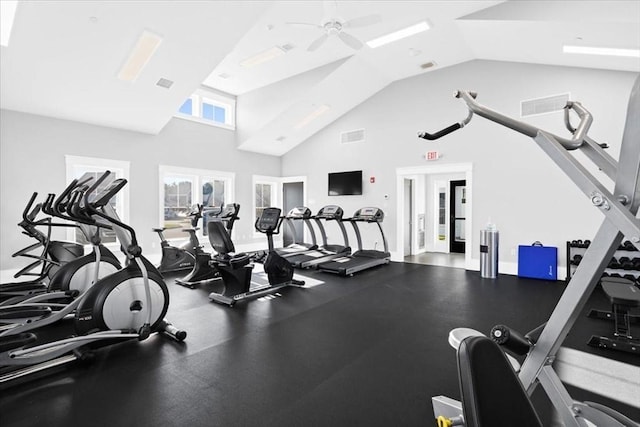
(620, 209)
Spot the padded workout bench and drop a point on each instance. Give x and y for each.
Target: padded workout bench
(624, 296)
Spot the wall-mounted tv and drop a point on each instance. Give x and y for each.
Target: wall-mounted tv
(345, 183)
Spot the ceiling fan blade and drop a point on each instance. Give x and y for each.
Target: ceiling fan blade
(302, 24)
(362, 21)
(349, 40)
(317, 42)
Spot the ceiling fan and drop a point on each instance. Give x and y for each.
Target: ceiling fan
(334, 26)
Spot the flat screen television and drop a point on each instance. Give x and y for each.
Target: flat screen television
(345, 183)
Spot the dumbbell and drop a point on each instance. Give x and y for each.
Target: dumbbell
(630, 277)
(636, 263)
(625, 263)
(613, 263)
(575, 243)
(629, 246)
(586, 243)
(576, 259)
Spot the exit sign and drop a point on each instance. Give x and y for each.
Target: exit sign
(432, 155)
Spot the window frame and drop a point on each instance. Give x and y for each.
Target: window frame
(200, 96)
(276, 187)
(198, 178)
(120, 168)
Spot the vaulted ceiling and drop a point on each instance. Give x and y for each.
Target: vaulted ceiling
(63, 57)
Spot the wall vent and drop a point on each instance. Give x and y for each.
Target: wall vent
(165, 83)
(548, 104)
(352, 136)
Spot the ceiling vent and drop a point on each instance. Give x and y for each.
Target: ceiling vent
(548, 104)
(165, 83)
(427, 65)
(352, 136)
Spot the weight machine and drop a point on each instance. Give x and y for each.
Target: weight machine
(620, 209)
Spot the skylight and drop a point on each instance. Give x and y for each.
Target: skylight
(607, 51)
(7, 16)
(398, 35)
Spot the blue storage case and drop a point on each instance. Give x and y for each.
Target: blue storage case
(538, 262)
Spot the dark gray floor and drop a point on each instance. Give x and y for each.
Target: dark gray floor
(369, 350)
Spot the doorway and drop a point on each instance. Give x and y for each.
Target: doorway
(430, 240)
(292, 196)
(457, 204)
(408, 215)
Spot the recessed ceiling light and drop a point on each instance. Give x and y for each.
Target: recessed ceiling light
(139, 56)
(7, 16)
(607, 51)
(281, 138)
(398, 35)
(312, 116)
(262, 57)
(428, 65)
(224, 75)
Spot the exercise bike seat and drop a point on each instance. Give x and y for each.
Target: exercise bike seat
(492, 394)
(234, 261)
(621, 291)
(158, 230)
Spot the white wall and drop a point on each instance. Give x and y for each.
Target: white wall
(32, 150)
(514, 183)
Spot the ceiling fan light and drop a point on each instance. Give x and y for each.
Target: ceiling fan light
(398, 35)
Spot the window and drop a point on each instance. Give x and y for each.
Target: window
(187, 107)
(79, 167)
(207, 106)
(181, 189)
(265, 195)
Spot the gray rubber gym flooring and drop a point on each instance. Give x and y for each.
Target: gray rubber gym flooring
(368, 350)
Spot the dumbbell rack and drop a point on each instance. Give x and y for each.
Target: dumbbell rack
(617, 267)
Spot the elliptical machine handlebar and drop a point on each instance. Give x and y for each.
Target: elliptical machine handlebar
(578, 134)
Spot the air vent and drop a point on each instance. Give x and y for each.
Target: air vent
(427, 65)
(548, 104)
(165, 83)
(352, 136)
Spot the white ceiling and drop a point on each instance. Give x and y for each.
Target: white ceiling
(63, 57)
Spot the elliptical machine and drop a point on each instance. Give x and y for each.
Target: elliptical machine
(236, 269)
(75, 275)
(183, 257)
(129, 304)
(53, 252)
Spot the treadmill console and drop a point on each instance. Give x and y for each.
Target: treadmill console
(330, 212)
(368, 215)
(269, 220)
(299, 212)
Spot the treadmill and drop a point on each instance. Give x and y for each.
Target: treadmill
(361, 259)
(299, 213)
(327, 252)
